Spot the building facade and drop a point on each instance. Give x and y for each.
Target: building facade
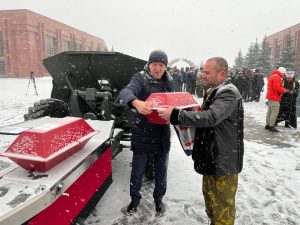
(27, 37)
(277, 42)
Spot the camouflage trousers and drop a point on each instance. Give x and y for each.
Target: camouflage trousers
(219, 195)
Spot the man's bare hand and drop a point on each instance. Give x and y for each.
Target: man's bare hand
(165, 112)
(141, 106)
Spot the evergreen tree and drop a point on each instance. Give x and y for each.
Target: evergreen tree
(275, 63)
(250, 57)
(264, 63)
(287, 56)
(256, 55)
(253, 55)
(238, 61)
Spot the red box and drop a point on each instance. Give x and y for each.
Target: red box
(182, 100)
(41, 148)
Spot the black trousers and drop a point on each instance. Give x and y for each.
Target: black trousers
(139, 162)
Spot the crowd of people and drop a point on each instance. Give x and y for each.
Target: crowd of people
(187, 79)
(282, 91)
(250, 83)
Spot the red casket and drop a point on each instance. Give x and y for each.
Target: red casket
(41, 148)
(182, 100)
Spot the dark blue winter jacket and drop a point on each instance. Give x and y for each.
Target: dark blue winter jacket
(147, 137)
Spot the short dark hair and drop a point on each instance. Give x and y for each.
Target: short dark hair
(221, 64)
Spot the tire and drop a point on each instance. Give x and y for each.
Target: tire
(48, 107)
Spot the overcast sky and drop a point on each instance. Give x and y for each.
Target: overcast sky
(192, 29)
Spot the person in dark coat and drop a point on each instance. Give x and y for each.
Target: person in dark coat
(148, 138)
(248, 84)
(219, 147)
(183, 75)
(191, 81)
(177, 79)
(287, 110)
(240, 82)
(257, 86)
(200, 90)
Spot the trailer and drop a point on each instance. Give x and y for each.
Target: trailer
(65, 193)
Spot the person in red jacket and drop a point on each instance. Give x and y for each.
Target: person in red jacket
(275, 90)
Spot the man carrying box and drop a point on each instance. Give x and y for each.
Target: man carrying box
(148, 138)
(218, 147)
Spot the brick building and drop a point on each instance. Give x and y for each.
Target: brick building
(278, 40)
(27, 37)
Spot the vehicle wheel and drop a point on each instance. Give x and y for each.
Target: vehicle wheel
(48, 107)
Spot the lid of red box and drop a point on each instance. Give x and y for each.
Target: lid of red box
(42, 144)
(176, 99)
(182, 100)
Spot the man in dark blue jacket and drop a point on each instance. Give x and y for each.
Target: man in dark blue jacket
(218, 147)
(148, 138)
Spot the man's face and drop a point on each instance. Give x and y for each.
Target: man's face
(157, 69)
(289, 79)
(211, 75)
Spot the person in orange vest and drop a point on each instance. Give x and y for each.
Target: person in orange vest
(275, 90)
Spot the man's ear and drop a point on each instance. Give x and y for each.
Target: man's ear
(223, 74)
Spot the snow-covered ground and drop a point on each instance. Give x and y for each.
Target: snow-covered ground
(269, 184)
(13, 100)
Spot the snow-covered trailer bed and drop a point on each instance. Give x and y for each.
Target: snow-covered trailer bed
(62, 194)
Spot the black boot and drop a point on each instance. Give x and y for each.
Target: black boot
(159, 206)
(133, 205)
(267, 127)
(273, 129)
(286, 125)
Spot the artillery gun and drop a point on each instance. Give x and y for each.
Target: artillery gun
(87, 85)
